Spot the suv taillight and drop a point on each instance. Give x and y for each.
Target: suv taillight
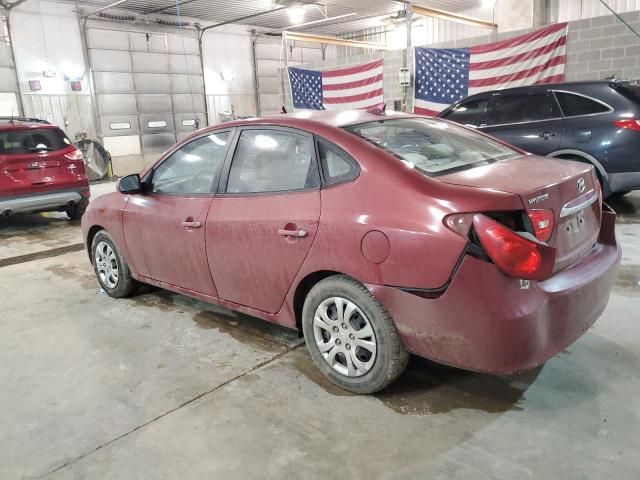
(543, 222)
(75, 156)
(515, 255)
(629, 124)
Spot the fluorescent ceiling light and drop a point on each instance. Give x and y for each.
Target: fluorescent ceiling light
(296, 14)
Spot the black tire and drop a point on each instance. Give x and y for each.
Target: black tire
(125, 284)
(391, 356)
(76, 211)
(620, 194)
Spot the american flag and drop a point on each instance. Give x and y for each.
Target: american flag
(445, 75)
(344, 89)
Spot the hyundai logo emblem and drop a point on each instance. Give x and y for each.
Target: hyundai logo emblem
(580, 184)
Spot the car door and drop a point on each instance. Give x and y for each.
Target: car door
(260, 229)
(165, 226)
(531, 121)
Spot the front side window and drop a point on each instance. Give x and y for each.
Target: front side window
(469, 113)
(573, 105)
(32, 140)
(272, 161)
(433, 147)
(194, 168)
(525, 108)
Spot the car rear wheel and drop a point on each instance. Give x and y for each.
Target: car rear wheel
(111, 270)
(351, 337)
(76, 211)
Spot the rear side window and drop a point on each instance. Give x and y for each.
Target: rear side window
(337, 165)
(525, 108)
(32, 140)
(573, 105)
(272, 161)
(469, 113)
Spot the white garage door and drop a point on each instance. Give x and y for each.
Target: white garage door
(149, 88)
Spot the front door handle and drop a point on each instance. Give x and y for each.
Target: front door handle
(292, 233)
(546, 135)
(188, 224)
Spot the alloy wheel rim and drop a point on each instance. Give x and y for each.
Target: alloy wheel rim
(344, 336)
(107, 265)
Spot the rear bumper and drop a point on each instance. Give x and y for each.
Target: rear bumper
(488, 322)
(39, 202)
(621, 182)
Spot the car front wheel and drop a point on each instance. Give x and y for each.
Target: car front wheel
(111, 269)
(350, 336)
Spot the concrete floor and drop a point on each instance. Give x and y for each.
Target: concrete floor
(162, 386)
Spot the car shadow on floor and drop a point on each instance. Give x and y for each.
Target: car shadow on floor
(627, 207)
(429, 388)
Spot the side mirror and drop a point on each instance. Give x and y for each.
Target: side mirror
(130, 184)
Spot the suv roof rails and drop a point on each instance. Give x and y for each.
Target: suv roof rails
(24, 119)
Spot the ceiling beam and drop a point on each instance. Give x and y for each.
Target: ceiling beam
(452, 17)
(329, 40)
(246, 17)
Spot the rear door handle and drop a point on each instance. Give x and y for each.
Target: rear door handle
(187, 224)
(292, 233)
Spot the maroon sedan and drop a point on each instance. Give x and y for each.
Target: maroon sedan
(375, 234)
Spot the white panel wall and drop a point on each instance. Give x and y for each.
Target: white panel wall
(228, 73)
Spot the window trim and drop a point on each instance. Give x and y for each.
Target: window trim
(323, 174)
(224, 177)
(494, 105)
(609, 107)
(147, 180)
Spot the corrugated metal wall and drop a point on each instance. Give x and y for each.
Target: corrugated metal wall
(568, 10)
(8, 81)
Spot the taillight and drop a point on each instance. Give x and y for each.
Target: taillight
(515, 255)
(543, 222)
(628, 123)
(74, 156)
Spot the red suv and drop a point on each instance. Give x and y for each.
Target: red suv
(40, 169)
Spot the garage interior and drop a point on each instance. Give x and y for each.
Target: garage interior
(160, 385)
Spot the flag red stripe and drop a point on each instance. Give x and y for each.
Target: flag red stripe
(492, 47)
(352, 70)
(485, 82)
(354, 98)
(552, 79)
(520, 57)
(425, 111)
(356, 84)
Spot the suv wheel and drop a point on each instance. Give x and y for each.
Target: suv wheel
(351, 337)
(111, 270)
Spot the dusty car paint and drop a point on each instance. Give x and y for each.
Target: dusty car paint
(447, 304)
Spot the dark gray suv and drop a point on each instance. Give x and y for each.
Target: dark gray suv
(596, 122)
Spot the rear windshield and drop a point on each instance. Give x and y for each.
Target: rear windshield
(432, 147)
(32, 140)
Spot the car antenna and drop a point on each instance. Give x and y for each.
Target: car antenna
(613, 75)
(13, 109)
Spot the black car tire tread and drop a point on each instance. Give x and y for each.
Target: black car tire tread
(391, 357)
(126, 283)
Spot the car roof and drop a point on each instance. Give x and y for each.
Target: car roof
(307, 118)
(551, 86)
(15, 123)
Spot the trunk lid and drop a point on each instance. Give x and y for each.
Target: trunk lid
(567, 188)
(33, 160)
